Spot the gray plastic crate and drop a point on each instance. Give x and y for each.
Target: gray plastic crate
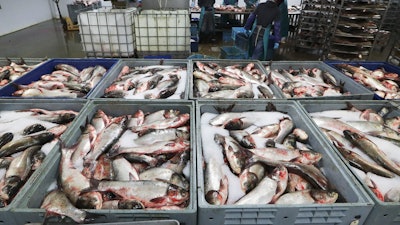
(28, 206)
(227, 62)
(354, 209)
(357, 91)
(387, 213)
(183, 82)
(6, 217)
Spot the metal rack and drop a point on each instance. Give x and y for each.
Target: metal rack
(358, 30)
(316, 25)
(394, 56)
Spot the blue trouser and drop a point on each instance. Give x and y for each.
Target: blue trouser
(258, 51)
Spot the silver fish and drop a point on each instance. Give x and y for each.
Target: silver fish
(281, 176)
(162, 135)
(73, 182)
(25, 142)
(286, 126)
(107, 138)
(150, 193)
(124, 171)
(263, 193)
(215, 183)
(372, 150)
(164, 174)
(251, 176)
(308, 197)
(57, 202)
(160, 147)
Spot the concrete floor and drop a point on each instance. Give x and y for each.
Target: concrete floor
(48, 39)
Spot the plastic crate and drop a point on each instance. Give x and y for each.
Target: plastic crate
(159, 31)
(48, 67)
(232, 52)
(6, 214)
(180, 93)
(28, 61)
(108, 32)
(356, 90)
(387, 213)
(371, 65)
(242, 41)
(353, 209)
(236, 31)
(28, 206)
(223, 63)
(226, 36)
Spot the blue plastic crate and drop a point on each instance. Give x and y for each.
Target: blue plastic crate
(237, 30)
(226, 36)
(242, 41)
(232, 52)
(48, 67)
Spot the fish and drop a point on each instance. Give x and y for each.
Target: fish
(286, 126)
(5, 138)
(178, 162)
(104, 169)
(56, 202)
(281, 176)
(124, 171)
(122, 204)
(25, 142)
(372, 150)
(357, 161)
(159, 147)
(174, 122)
(263, 193)
(236, 155)
(106, 138)
(72, 181)
(33, 129)
(297, 183)
(168, 134)
(309, 196)
(90, 200)
(150, 193)
(243, 138)
(215, 183)
(251, 176)
(166, 175)
(393, 195)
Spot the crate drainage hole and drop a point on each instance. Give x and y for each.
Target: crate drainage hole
(211, 218)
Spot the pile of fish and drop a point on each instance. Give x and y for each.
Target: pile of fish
(26, 137)
(385, 84)
(65, 81)
(149, 82)
(260, 158)
(14, 70)
(301, 83)
(211, 80)
(370, 142)
(134, 161)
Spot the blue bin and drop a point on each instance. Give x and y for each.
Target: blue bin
(48, 68)
(237, 30)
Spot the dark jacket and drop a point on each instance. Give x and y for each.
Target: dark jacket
(206, 3)
(266, 13)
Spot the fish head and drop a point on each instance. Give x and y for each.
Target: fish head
(177, 194)
(351, 135)
(130, 204)
(11, 187)
(90, 200)
(248, 181)
(325, 197)
(234, 124)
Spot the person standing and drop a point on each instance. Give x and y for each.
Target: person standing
(207, 22)
(265, 15)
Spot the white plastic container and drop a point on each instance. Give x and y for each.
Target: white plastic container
(162, 31)
(108, 32)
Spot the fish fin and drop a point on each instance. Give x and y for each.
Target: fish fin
(270, 107)
(226, 109)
